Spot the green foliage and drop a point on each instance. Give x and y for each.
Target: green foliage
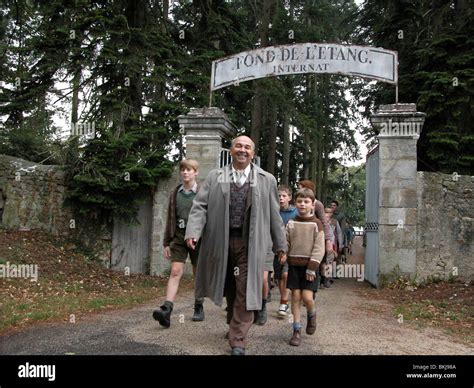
(347, 186)
(434, 41)
(132, 67)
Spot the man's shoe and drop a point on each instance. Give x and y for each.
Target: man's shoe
(296, 339)
(198, 312)
(327, 283)
(283, 310)
(163, 314)
(237, 351)
(261, 317)
(311, 324)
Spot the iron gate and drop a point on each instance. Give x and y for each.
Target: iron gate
(371, 232)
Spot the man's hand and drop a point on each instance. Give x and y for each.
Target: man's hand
(167, 252)
(191, 243)
(282, 257)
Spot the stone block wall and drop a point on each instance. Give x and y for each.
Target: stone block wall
(445, 222)
(158, 263)
(32, 196)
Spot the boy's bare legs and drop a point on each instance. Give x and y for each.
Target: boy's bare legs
(163, 314)
(311, 313)
(173, 282)
(284, 295)
(284, 292)
(295, 305)
(308, 300)
(296, 311)
(265, 285)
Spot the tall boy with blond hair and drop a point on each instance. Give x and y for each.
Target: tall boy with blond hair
(175, 248)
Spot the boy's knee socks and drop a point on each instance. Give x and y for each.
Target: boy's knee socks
(297, 326)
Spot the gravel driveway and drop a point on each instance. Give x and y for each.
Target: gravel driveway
(348, 323)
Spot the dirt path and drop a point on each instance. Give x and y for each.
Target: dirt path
(348, 324)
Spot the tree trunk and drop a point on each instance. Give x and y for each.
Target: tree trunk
(286, 150)
(307, 154)
(322, 191)
(272, 135)
(256, 115)
(268, 7)
(75, 96)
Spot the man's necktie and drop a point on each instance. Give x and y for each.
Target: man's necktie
(238, 177)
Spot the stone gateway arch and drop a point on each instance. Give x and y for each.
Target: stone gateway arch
(391, 203)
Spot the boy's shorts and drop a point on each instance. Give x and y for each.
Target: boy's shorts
(179, 249)
(278, 268)
(297, 279)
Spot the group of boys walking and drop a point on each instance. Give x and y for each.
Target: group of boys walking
(226, 226)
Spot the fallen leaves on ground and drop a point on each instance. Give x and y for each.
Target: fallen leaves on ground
(69, 284)
(445, 305)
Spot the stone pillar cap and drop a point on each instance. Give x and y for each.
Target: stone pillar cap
(397, 110)
(406, 107)
(398, 121)
(205, 119)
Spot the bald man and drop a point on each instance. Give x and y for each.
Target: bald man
(236, 214)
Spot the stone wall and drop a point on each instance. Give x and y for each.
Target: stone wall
(32, 196)
(445, 222)
(158, 263)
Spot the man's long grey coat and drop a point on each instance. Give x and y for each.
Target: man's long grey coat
(209, 221)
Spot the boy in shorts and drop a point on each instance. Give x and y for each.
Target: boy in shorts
(287, 212)
(306, 247)
(176, 250)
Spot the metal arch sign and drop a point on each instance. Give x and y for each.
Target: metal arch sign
(303, 58)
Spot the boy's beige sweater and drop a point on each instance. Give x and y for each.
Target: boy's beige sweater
(305, 242)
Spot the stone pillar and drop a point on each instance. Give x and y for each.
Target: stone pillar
(204, 129)
(158, 263)
(399, 128)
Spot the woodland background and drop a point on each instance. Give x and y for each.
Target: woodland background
(131, 67)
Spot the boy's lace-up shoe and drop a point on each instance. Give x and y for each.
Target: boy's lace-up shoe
(163, 314)
(311, 324)
(296, 339)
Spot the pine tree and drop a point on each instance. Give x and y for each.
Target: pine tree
(434, 42)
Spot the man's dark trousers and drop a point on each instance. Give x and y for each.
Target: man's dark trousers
(238, 317)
